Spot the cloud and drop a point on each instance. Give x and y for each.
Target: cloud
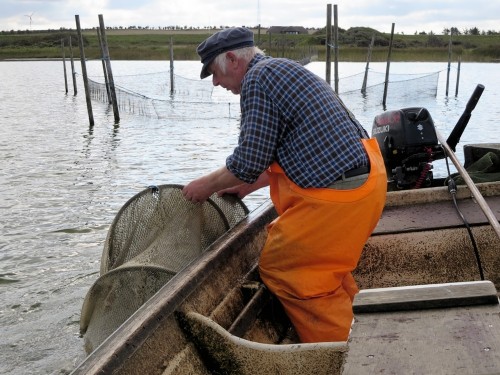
(408, 15)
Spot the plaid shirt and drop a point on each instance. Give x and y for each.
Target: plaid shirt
(290, 115)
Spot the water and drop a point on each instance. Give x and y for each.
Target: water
(62, 182)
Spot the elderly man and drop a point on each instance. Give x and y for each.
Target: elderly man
(327, 180)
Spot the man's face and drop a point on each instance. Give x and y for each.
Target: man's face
(231, 78)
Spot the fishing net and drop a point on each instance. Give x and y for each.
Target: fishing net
(420, 83)
(154, 95)
(154, 236)
(401, 89)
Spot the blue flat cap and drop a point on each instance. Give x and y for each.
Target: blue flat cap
(223, 41)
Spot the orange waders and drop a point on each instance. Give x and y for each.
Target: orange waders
(315, 243)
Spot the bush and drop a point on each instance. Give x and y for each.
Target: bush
(492, 51)
(434, 41)
(41, 40)
(362, 36)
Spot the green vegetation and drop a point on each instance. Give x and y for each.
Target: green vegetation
(154, 45)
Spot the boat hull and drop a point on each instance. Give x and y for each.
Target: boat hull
(432, 246)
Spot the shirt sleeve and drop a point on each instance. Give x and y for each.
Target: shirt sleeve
(259, 134)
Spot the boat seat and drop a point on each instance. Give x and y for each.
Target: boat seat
(451, 328)
(418, 297)
(229, 354)
(432, 209)
(251, 310)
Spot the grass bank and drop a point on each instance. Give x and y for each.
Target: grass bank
(154, 45)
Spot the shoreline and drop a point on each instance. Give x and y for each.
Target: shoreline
(135, 44)
(31, 59)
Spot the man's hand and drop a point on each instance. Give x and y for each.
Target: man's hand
(240, 190)
(243, 190)
(197, 191)
(202, 188)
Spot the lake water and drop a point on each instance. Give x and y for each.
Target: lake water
(63, 181)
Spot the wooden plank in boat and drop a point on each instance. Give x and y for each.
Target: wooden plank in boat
(425, 297)
(435, 215)
(454, 340)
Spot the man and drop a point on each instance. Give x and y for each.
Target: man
(327, 180)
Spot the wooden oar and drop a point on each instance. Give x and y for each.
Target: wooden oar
(471, 185)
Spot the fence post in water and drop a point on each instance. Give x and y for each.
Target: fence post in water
(104, 72)
(73, 73)
(368, 59)
(108, 68)
(64, 65)
(388, 67)
(84, 71)
(458, 74)
(336, 48)
(449, 66)
(171, 66)
(328, 43)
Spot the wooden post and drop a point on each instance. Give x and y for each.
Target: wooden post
(84, 71)
(64, 65)
(283, 42)
(73, 73)
(328, 73)
(458, 74)
(336, 48)
(368, 59)
(269, 42)
(171, 65)
(108, 69)
(388, 67)
(449, 66)
(104, 71)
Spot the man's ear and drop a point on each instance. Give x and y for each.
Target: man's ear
(232, 59)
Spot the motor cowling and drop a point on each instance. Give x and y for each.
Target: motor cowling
(408, 142)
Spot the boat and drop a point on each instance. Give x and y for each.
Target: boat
(428, 301)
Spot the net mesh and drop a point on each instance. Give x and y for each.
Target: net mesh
(154, 236)
(422, 83)
(152, 94)
(401, 88)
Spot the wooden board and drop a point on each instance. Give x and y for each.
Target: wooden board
(455, 340)
(437, 215)
(425, 297)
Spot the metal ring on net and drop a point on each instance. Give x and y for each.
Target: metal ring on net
(154, 236)
(161, 208)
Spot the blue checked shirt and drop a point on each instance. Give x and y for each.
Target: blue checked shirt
(290, 115)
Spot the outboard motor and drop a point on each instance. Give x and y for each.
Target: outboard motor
(409, 143)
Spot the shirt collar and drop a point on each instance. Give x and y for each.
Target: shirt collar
(256, 59)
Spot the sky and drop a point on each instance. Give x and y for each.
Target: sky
(409, 16)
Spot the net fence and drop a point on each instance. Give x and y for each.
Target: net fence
(408, 84)
(156, 95)
(401, 89)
